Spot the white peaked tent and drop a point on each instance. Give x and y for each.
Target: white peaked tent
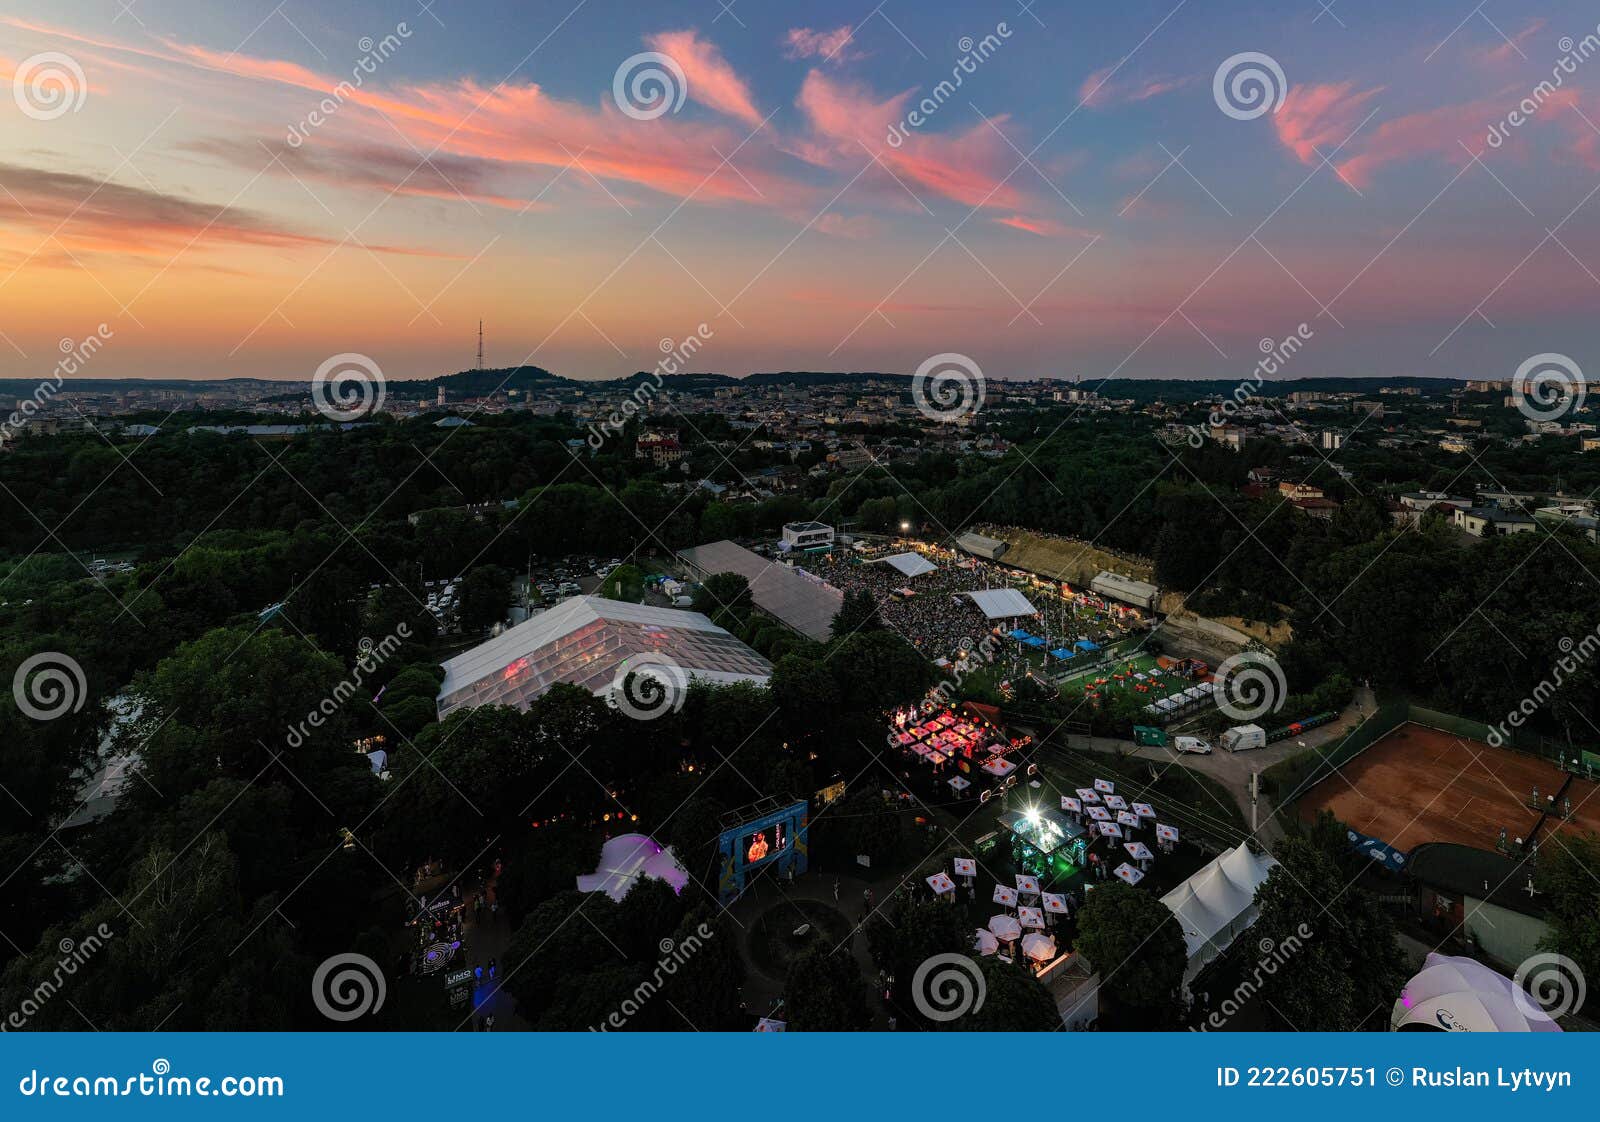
(1002, 603)
(911, 564)
(1463, 995)
(1217, 904)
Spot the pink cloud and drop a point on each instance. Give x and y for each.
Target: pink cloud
(1319, 118)
(1105, 88)
(86, 214)
(1510, 50)
(829, 46)
(520, 125)
(711, 80)
(1316, 120)
(853, 227)
(848, 121)
(1042, 227)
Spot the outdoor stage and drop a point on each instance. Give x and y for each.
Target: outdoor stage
(1420, 785)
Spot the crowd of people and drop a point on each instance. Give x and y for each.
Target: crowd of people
(935, 618)
(941, 622)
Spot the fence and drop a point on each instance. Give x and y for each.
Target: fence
(1288, 779)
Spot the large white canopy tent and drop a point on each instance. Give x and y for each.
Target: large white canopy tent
(629, 858)
(1463, 995)
(1002, 603)
(1217, 904)
(911, 564)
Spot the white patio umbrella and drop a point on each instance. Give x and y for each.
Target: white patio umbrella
(1039, 947)
(1005, 928)
(984, 942)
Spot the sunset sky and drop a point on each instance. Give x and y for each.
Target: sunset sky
(1081, 206)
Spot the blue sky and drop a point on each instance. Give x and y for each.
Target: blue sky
(1082, 205)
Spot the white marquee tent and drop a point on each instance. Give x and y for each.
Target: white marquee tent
(1217, 904)
(911, 564)
(1002, 603)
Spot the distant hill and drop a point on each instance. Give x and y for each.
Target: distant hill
(476, 383)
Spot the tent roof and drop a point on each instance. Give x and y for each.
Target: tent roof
(806, 604)
(1208, 903)
(679, 633)
(1456, 994)
(911, 564)
(627, 858)
(1002, 603)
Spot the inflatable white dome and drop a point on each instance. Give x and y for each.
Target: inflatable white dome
(1463, 995)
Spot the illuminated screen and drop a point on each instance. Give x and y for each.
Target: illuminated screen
(764, 843)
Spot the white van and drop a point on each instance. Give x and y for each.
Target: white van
(1191, 744)
(1241, 738)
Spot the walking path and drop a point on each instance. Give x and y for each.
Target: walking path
(761, 990)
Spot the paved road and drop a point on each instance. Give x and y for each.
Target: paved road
(1233, 769)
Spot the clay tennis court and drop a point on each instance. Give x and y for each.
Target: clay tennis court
(1420, 785)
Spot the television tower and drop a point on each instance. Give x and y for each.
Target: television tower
(480, 344)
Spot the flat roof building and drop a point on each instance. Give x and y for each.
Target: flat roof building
(990, 549)
(1140, 594)
(807, 535)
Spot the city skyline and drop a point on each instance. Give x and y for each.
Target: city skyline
(1089, 202)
